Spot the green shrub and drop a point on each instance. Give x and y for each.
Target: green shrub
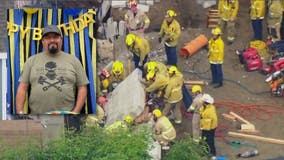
(187, 149)
(90, 144)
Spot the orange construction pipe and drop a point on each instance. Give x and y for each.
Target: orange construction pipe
(193, 46)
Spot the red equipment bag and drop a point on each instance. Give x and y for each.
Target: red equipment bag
(252, 63)
(243, 55)
(250, 53)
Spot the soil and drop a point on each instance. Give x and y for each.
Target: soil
(241, 88)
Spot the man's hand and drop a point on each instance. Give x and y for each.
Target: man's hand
(140, 64)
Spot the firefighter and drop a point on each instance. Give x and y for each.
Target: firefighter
(173, 94)
(103, 84)
(257, 12)
(97, 119)
(164, 130)
(117, 74)
(274, 19)
(228, 10)
(140, 48)
(216, 57)
(156, 81)
(136, 21)
(126, 124)
(155, 65)
(169, 34)
(208, 122)
(195, 108)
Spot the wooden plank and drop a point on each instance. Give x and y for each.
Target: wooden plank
(191, 82)
(256, 138)
(249, 131)
(240, 118)
(229, 117)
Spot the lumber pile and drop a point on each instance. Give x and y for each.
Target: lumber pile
(213, 18)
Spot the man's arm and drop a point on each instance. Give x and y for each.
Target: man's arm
(81, 97)
(21, 97)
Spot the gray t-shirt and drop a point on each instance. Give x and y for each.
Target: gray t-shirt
(53, 81)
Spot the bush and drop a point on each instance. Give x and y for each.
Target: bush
(90, 144)
(186, 149)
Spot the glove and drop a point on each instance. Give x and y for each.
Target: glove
(169, 39)
(160, 39)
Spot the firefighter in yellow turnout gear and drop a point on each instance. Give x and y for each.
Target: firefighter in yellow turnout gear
(140, 48)
(228, 10)
(216, 57)
(208, 122)
(173, 94)
(117, 74)
(164, 130)
(157, 78)
(257, 14)
(169, 34)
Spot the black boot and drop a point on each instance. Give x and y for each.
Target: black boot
(218, 85)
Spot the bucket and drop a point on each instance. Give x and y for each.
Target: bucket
(193, 46)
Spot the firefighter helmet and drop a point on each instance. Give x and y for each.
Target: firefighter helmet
(157, 113)
(117, 67)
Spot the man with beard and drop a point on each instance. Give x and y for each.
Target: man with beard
(54, 78)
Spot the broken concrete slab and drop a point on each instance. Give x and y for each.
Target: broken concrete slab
(143, 7)
(105, 49)
(128, 98)
(119, 3)
(121, 28)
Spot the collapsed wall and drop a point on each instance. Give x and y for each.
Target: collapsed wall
(127, 98)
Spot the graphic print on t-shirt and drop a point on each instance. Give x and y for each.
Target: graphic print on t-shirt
(47, 80)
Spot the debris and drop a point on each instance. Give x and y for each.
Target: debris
(191, 82)
(212, 18)
(250, 153)
(229, 117)
(256, 138)
(247, 125)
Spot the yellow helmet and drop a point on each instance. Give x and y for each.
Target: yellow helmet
(151, 66)
(216, 31)
(128, 119)
(117, 67)
(150, 75)
(130, 39)
(157, 113)
(196, 88)
(171, 13)
(172, 69)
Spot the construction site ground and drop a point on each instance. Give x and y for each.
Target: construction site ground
(242, 89)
